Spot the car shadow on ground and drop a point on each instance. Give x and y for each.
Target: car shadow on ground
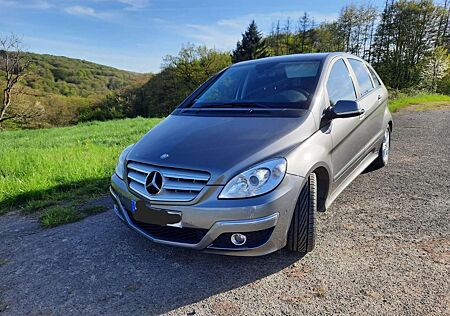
(166, 278)
(100, 266)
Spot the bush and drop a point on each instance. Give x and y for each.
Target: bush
(444, 85)
(108, 109)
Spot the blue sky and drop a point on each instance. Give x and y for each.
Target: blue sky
(136, 34)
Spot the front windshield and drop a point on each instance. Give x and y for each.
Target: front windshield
(274, 85)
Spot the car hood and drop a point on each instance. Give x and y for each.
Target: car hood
(222, 146)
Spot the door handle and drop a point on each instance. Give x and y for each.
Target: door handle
(363, 115)
(379, 98)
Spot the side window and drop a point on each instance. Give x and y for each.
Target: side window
(362, 75)
(340, 84)
(375, 78)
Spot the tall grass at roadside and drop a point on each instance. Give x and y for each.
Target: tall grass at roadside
(401, 101)
(59, 166)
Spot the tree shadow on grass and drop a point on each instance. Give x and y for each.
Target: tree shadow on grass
(64, 194)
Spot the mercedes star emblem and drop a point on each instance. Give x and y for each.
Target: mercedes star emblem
(154, 182)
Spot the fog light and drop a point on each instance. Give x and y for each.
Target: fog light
(238, 239)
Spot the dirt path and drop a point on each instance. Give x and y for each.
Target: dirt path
(383, 248)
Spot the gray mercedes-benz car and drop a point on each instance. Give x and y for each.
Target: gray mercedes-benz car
(244, 163)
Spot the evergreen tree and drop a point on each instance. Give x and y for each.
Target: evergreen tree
(405, 36)
(304, 23)
(252, 45)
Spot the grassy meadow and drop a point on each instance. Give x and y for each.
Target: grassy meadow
(53, 171)
(406, 100)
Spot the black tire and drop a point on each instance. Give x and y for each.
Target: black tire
(301, 234)
(381, 160)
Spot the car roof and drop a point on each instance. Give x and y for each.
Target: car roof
(295, 57)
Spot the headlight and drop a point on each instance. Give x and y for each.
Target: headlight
(120, 168)
(256, 181)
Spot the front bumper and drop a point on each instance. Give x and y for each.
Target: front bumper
(269, 213)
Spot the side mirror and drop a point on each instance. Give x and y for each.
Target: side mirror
(343, 109)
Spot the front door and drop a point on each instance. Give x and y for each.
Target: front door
(371, 99)
(344, 131)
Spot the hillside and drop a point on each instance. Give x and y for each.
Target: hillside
(75, 77)
(61, 88)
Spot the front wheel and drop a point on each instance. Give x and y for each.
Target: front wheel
(383, 154)
(301, 234)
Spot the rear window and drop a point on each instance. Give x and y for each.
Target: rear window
(362, 75)
(375, 78)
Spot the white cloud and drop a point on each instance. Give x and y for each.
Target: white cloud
(265, 20)
(88, 11)
(134, 4)
(35, 4)
(79, 48)
(209, 35)
(226, 32)
(112, 14)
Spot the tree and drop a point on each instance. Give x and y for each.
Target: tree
(435, 67)
(181, 74)
(304, 23)
(195, 64)
(13, 66)
(277, 40)
(252, 45)
(287, 35)
(406, 34)
(346, 23)
(355, 26)
(442, 35)
(329, 38)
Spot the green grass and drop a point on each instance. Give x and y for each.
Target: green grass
(59, 215)
(404, 101)
(55, 170)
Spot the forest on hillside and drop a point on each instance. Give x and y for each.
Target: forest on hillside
(74, 77)
(407, 42)
(58, 89)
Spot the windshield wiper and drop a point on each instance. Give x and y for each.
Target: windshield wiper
(235, 104)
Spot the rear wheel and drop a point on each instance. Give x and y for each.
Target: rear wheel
(383, 154)
(301, 234)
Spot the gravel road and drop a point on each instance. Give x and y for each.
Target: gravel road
(383, 249)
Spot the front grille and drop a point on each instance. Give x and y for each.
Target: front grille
(179, 185)
(175, 234)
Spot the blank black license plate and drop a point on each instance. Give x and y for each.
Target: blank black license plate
(148, 215)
